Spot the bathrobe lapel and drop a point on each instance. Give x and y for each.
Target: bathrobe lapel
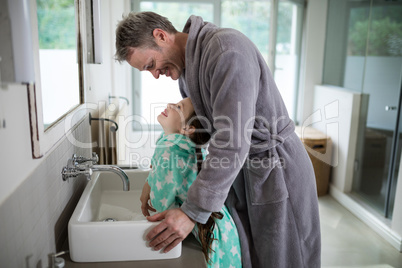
(191, 75)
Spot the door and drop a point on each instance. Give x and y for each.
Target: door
(379, 144)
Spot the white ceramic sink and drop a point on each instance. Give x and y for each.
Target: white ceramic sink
(93, 240)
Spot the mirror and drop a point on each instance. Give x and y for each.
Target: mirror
(58, 62)
(55, 96)
(46, 48)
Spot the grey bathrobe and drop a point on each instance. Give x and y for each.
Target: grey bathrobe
(256, 163)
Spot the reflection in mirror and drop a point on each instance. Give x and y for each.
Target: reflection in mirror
(59, 70)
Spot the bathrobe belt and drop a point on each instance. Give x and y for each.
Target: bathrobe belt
(273, 139)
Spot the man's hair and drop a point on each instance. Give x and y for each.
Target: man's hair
(136, 30)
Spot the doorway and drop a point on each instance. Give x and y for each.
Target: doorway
(364, 54)
(376, 171)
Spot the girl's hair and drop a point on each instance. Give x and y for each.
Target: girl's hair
(205, 231)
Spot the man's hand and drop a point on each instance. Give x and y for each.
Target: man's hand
(145, 198)
(174, 228)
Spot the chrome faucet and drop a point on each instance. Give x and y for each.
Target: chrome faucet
(85, 166)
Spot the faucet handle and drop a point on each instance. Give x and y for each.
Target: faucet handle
(95, 158)
(68, 173)
(81, 159)
(74, 172)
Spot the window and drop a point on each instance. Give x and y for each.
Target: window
(245, 16)
(151, 95)
(287, 55)
(259, 20)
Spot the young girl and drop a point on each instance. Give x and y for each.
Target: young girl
(174, 168)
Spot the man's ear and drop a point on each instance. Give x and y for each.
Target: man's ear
(160, 35)
(187, 130)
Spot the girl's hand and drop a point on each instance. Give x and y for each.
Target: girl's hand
(145, 200)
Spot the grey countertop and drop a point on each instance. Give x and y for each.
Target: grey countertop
(191, 256)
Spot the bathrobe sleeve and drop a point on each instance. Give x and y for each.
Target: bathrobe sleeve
(231, 79)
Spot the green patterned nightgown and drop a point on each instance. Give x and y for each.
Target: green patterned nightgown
(174, 168)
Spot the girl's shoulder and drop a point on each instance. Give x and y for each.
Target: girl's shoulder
(176, 142)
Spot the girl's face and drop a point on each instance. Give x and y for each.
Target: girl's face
(173, 118)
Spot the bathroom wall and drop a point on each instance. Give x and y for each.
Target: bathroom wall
(101, 80)
(34, 217)
(35, 204)
(336, 113)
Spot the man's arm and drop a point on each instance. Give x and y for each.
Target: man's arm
(173, 229)
(234, 86)
(176, 226)
(234, 90)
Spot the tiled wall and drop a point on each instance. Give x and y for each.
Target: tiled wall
(33, 220)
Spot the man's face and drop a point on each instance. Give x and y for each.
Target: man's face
(165, 61)
(173, 118)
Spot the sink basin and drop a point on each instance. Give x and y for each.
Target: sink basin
(107, 224)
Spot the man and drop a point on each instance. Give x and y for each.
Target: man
(256, 163)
